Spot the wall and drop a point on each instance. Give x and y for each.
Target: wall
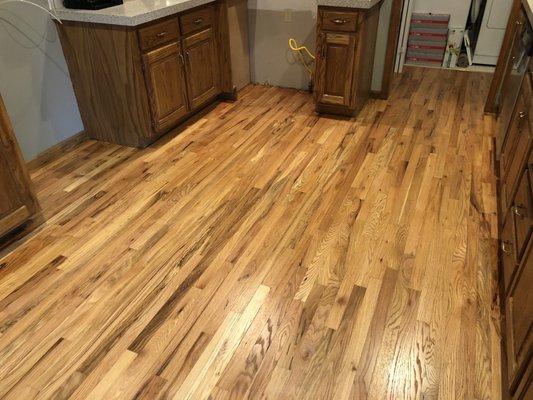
(34, 80)
(272, 61)
(239, 42)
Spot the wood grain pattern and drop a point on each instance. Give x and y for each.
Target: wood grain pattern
(18, 202)
(267, 252)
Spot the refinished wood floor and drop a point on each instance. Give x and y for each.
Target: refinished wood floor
(267, 253)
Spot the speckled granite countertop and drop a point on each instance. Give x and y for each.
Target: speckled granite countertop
(131, 13)
(137, 12)
(349, 3)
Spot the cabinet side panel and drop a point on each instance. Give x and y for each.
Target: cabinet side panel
(106, 70)
(222, 40)
(365, 57)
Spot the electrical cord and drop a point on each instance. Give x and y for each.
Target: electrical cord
(300, 50)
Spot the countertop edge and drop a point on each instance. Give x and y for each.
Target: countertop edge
(101, 17)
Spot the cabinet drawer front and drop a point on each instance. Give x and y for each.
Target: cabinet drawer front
(508, 252)
(158, 33)
(522, 213)
(196, 20)
(339, 21)
(519, 320)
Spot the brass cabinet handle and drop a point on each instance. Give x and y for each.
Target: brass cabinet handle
(161, 34)
(505, 250)
(516, 210)
(339, 21)
(522, 114)
(182, 59)
(198, 21)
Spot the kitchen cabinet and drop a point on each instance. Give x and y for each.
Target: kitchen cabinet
(346, 40)
(515, 160)
(135, 83)
(18, 204)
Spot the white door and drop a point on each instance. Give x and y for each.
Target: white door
(492, 31)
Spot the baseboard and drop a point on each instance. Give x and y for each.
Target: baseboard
(54, 151)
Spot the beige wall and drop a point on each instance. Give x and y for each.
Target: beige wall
(34, 80)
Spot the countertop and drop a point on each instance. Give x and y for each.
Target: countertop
(349, 3)
(131, 13)
(137, 12)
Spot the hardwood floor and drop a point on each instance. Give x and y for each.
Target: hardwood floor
(267, 253)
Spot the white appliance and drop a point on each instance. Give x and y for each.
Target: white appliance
(492, 31)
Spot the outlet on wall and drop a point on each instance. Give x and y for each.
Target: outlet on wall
(288, 15)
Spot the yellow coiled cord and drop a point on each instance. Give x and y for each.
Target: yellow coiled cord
(300, 50)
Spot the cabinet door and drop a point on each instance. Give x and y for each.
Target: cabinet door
(17, 202)
(202, 67)
(166, 86)
(335, 68)
(519, 320)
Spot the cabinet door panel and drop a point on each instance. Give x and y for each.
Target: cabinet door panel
(202, 67)
(508, 247)
(166, 86)
(519, 313)
(17, 201)
(335, 68)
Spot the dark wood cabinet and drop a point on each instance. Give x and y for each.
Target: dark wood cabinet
(335, 68)
(133, 84)
(346, 40)
(18, 204)
(202, 67)
(165, 80)
(515, 156)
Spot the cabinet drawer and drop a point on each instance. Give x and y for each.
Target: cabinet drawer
(196, 20)
(519, 320)
(339, 21)
(508, 252)
(158, 33)
(522, 213)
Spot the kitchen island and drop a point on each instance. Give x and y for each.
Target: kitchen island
(142, 68)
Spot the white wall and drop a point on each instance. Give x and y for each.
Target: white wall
(34, 79)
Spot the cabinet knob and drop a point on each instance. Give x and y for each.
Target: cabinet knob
(518, 23)
(161, 34)
(522, 114)
(339, 21)
(516, 210)
(505, 247)
(198, 21)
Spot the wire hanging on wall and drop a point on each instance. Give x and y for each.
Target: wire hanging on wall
(46, 10)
